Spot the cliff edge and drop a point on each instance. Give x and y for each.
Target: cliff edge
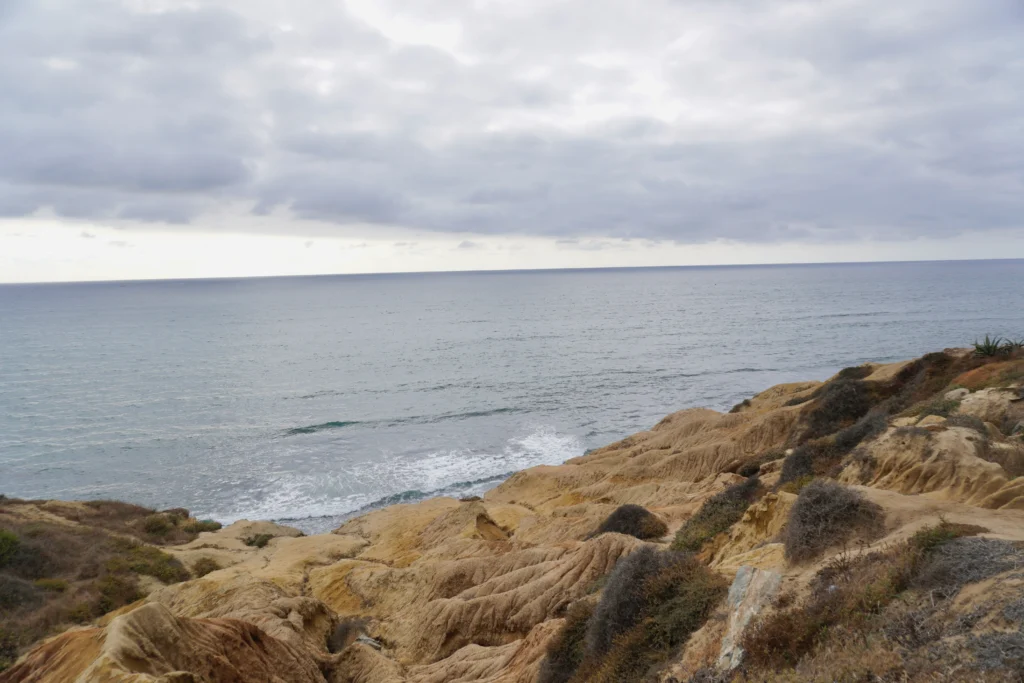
(865, 528)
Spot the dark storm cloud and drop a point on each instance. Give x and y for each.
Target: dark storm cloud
(689, 121)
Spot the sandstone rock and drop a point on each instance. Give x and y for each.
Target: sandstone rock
(989, 405)
(751, 591)
(151, 645)
(932, 423)
(957, 394)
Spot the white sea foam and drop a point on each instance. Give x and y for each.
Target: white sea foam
(334, 494)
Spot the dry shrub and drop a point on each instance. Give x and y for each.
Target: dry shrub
(716, 515)
(968, 421)
(827, 514)
(56, 575)
(652, 603)
(633, 520)
(749, 469)
(821, 456)
(847, 595)
(845, 592)
(565, 651)
(158, 524)
(197, 526)
(258, 540)
(204, 566)
(960, 561)
(839, 404)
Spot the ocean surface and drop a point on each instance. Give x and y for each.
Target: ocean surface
(306, 399)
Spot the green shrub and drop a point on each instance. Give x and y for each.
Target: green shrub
(565, 651)
(989, 347)
(258, 540)
(197, 526)
(144, 559)
(9, 543)
(941, 406)
(204, 565)
(930, 538)
(633, 520)
(158, 524)
(827, 514)
(116, 590)
(716, 515)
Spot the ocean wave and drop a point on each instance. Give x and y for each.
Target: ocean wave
(313, 501)
(419, 419)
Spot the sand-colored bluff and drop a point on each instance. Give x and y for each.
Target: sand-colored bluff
(865, 528)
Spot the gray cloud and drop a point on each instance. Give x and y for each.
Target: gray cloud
(671, 121)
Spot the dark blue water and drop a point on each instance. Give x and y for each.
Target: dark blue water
(309, 397)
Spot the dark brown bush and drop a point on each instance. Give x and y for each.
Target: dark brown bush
(827, 514)
(633, 520)
(716, 515)
(565, 652)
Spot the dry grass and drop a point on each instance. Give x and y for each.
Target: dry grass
(852, 598)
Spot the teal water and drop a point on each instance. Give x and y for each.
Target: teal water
(309, 398)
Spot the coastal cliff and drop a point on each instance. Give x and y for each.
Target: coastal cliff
(864, 528)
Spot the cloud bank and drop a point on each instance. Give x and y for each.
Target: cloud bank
(690, 121)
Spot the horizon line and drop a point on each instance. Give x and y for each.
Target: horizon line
(227, 278)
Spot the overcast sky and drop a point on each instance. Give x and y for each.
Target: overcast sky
(149, 138)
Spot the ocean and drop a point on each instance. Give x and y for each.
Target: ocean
(307, 399)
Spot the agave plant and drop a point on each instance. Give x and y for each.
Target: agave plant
(1013, 345)
(989, 347)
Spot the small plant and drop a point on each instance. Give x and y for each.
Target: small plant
(258, 540)
(204, 565)
(197, 526)
(9, 543)
(52, 585)
(144, 559)
(827, 514)
(989, 347)
(930, 538)
(633, 520)
(158, 524)
(797, 485)
(716, 515)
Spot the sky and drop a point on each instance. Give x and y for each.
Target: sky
(158, 138)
